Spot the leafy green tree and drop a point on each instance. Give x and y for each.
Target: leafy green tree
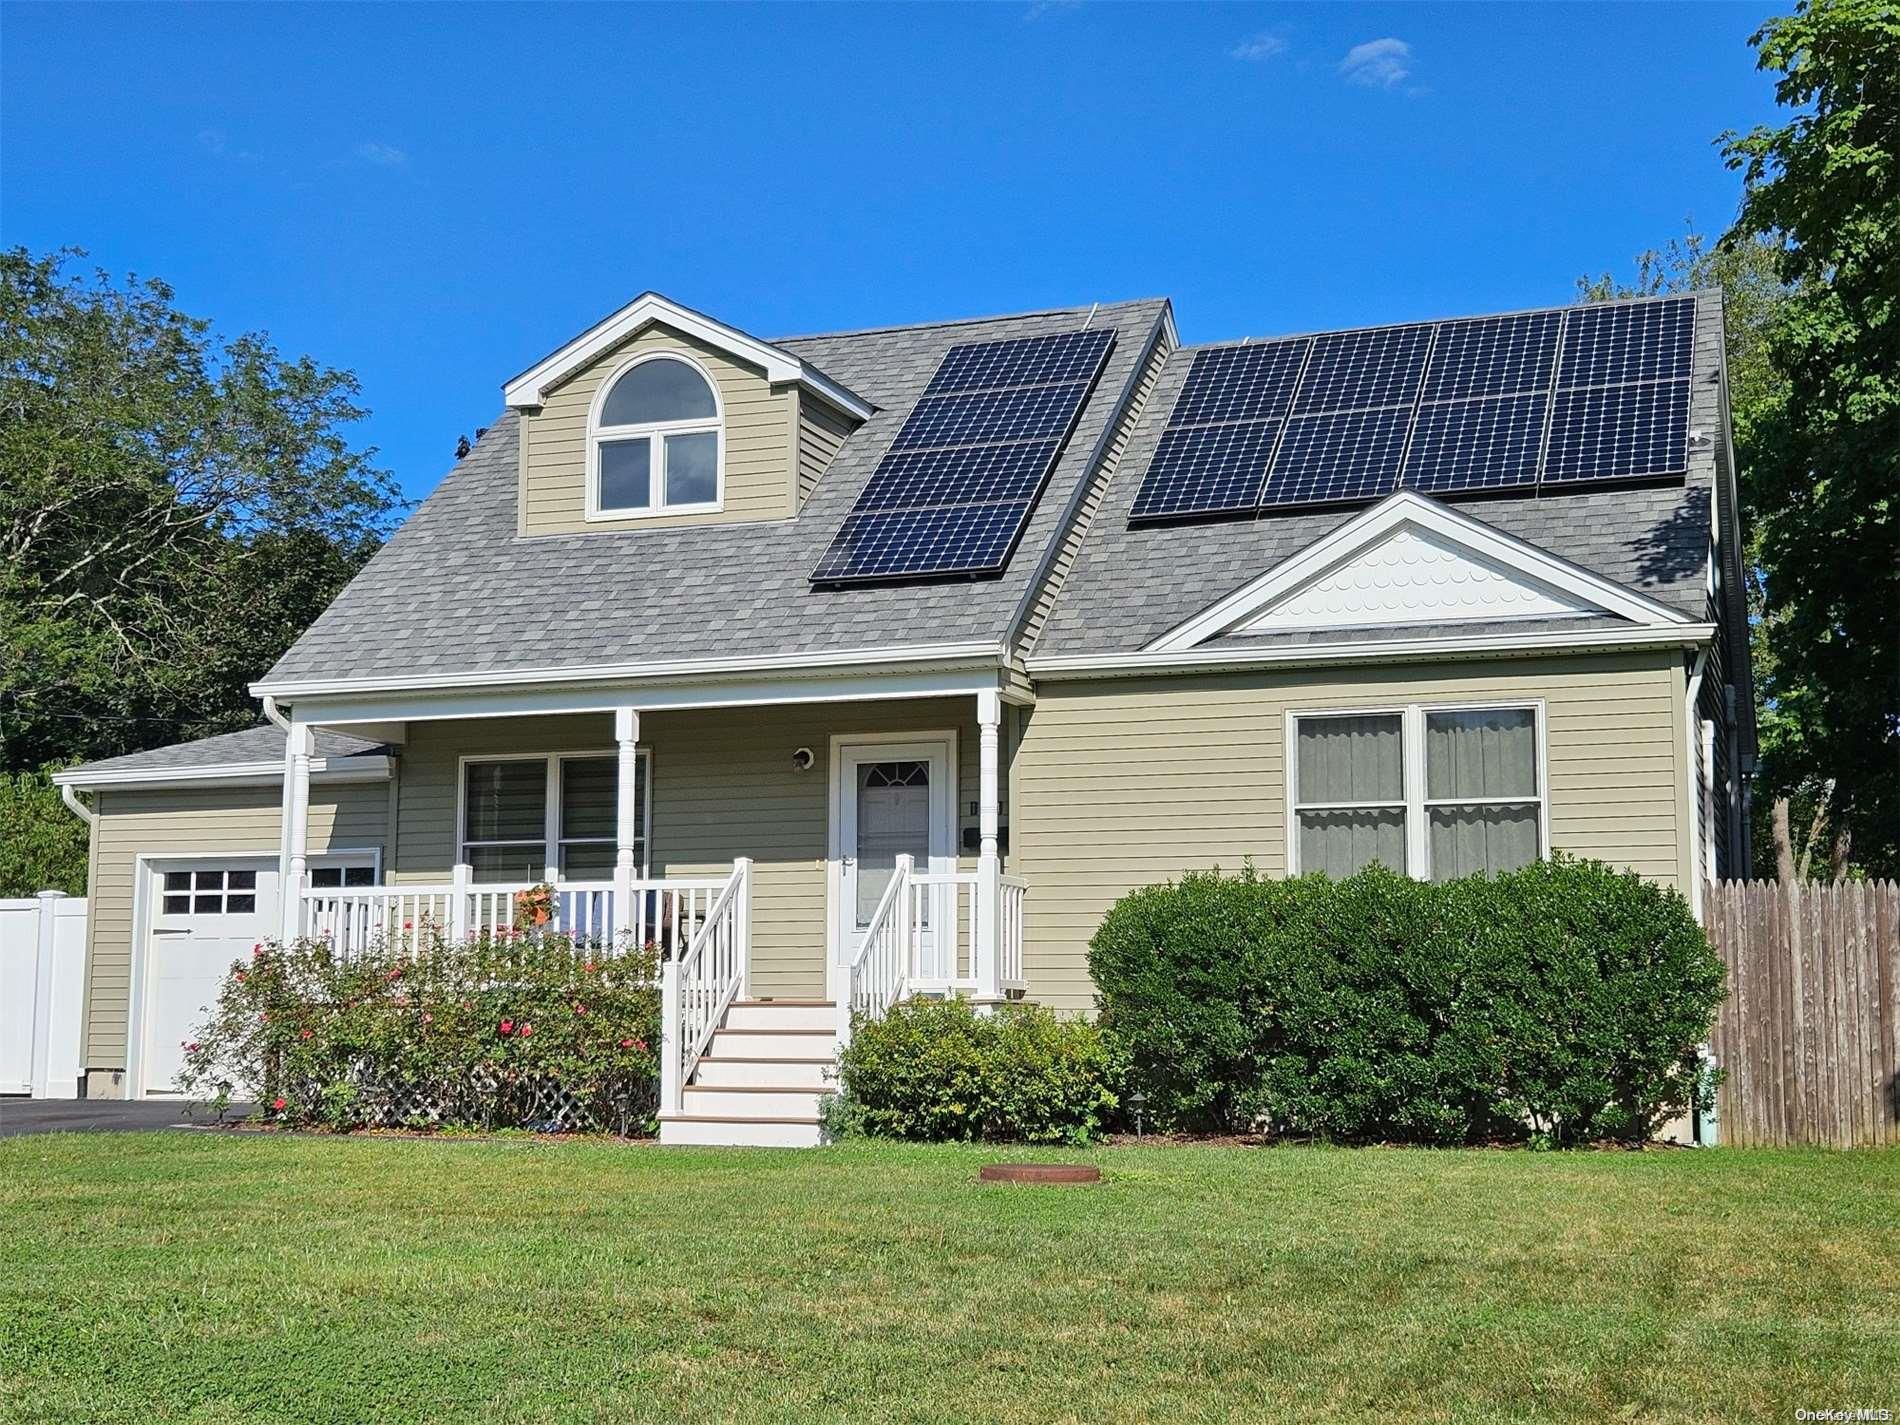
(42, 845)
(1823, 480)
(175, 508)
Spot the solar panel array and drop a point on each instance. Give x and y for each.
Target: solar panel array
(954, 491)
(1550, 400)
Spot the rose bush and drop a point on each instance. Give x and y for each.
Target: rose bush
(503, 1031)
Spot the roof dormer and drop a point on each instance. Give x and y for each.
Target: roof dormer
(660, 415)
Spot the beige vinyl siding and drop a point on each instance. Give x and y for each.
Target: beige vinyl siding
(184, 822)
(760, 434)
(1104, 475)
(821, 431)
(1131, 782)
(723, 786)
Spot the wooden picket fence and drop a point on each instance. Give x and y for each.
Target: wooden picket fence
(1810, 1032)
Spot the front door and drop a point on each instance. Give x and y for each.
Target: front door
(889, 799)
(205, 915)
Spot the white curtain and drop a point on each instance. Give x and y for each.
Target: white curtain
(1481, 755)
(1351, 759)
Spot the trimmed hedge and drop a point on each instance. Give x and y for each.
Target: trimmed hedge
(506, 1032)
(935, 1070)
(1562, 1001)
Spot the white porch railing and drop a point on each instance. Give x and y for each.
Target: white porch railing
(927, 936)
(664, 913)
(697, 987)
(1009, 939)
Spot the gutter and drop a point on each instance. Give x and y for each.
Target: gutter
(983, 654)
(218, 774)
(1110, 665)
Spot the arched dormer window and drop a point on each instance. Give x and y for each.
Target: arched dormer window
(656, 441)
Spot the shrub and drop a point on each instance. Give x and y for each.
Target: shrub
(936, 1070)
(508, 1031)
(1563, 999)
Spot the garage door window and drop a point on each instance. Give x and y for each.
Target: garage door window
(210, 892)
(330, 878)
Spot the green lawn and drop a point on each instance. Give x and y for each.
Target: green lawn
(157, 1277)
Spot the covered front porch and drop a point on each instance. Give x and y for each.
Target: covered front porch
(836, 855)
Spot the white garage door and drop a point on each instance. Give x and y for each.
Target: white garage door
(204, 916)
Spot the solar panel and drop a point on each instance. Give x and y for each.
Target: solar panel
(1640, 341)
(1207, 469)
(1380, 366)
(973, 417)
(1344, 455)
(1487, 444)
(1547, 399)
(1493, 356)
(946, 539)
(1240, 383)
(954, 491)
(1619, 433)
(1027, 361)
(961, 474)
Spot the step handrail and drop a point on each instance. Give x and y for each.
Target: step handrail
(697, 988)
(878, 973)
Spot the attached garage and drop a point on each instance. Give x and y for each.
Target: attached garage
(183, 881)
(205, 914)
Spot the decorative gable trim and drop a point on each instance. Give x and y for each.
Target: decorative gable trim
(529, 390)
(1409, 560)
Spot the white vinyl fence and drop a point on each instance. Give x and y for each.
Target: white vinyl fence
(42, 984)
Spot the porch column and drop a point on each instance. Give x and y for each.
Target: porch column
(290, 878)
(626, 816)
(989, 865)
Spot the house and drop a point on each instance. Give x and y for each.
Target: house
(880, 663)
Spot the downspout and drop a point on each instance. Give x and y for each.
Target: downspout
(1691, 701)
(271, 712)
(77, 807)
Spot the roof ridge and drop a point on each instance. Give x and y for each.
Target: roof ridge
(970, 321)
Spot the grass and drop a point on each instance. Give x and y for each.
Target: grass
(201, 1277)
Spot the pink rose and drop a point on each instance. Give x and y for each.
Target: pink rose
(626, 1043)
(306, 1034)
(526, 1030)
(507, 1027)
(278, 1104)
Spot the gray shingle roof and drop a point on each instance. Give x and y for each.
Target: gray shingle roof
(1130, 585)
(263, 743)
(457, 591)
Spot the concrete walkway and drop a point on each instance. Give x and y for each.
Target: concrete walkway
(98, 1115)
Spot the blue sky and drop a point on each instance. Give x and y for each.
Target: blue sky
(434, 196)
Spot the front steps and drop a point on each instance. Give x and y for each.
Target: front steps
(760, 1080)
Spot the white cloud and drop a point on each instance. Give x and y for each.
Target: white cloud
(1039, 8)
(1258, 47)
(1378, 64)
(382, 154)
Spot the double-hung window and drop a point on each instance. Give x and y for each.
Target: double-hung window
(656, 446)
(1432, 792)
(536, 818)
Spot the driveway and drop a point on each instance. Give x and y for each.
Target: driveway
(96, 1115)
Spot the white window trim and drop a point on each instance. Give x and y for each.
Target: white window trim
(551, 837)
(1417, 806)
(655, 433)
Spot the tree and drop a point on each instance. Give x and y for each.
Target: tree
(1823, 480)
(174, 509)
(42, 845)
(1748, 274)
